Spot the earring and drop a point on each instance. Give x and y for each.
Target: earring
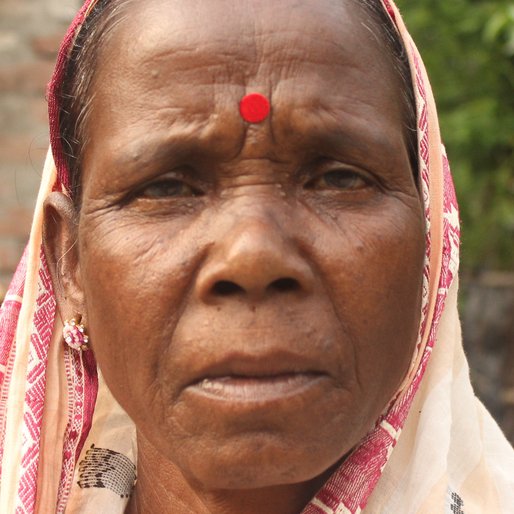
(74, 335)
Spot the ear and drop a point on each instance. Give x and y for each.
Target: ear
(60, 244)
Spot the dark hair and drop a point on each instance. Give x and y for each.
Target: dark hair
(400, 60)
(76, 93)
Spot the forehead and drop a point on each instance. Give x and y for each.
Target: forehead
(190, 61)
(221, 24)
(244, 41)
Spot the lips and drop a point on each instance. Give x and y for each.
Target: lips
(246, 378)
(262, 389)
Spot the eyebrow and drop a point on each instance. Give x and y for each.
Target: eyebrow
(337, 135)
(182, 143)
(173, 145)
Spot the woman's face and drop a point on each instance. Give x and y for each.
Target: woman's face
(251, 290)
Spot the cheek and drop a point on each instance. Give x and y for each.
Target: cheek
(375, 281)
(136, 278)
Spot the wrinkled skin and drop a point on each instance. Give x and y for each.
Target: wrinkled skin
(281, 261)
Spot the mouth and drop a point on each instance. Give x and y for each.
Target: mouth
(257, 379)
(257, 388)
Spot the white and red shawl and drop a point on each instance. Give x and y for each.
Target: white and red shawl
(434, 450)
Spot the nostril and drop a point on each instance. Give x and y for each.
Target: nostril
(284, 285)
(226, 288)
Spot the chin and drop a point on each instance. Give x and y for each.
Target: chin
(261, 461)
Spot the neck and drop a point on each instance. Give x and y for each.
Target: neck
(161, 487)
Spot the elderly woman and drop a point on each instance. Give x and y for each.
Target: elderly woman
(247, 224)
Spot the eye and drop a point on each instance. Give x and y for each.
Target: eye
(340, 179)
(168, 188)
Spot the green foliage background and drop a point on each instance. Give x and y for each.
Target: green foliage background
(468, 48)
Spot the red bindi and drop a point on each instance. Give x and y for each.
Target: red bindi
(254, 108)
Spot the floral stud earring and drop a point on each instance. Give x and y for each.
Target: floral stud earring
(74, 335)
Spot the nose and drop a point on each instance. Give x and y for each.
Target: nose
(254, 260)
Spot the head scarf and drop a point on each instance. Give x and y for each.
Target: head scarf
(435, 449)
